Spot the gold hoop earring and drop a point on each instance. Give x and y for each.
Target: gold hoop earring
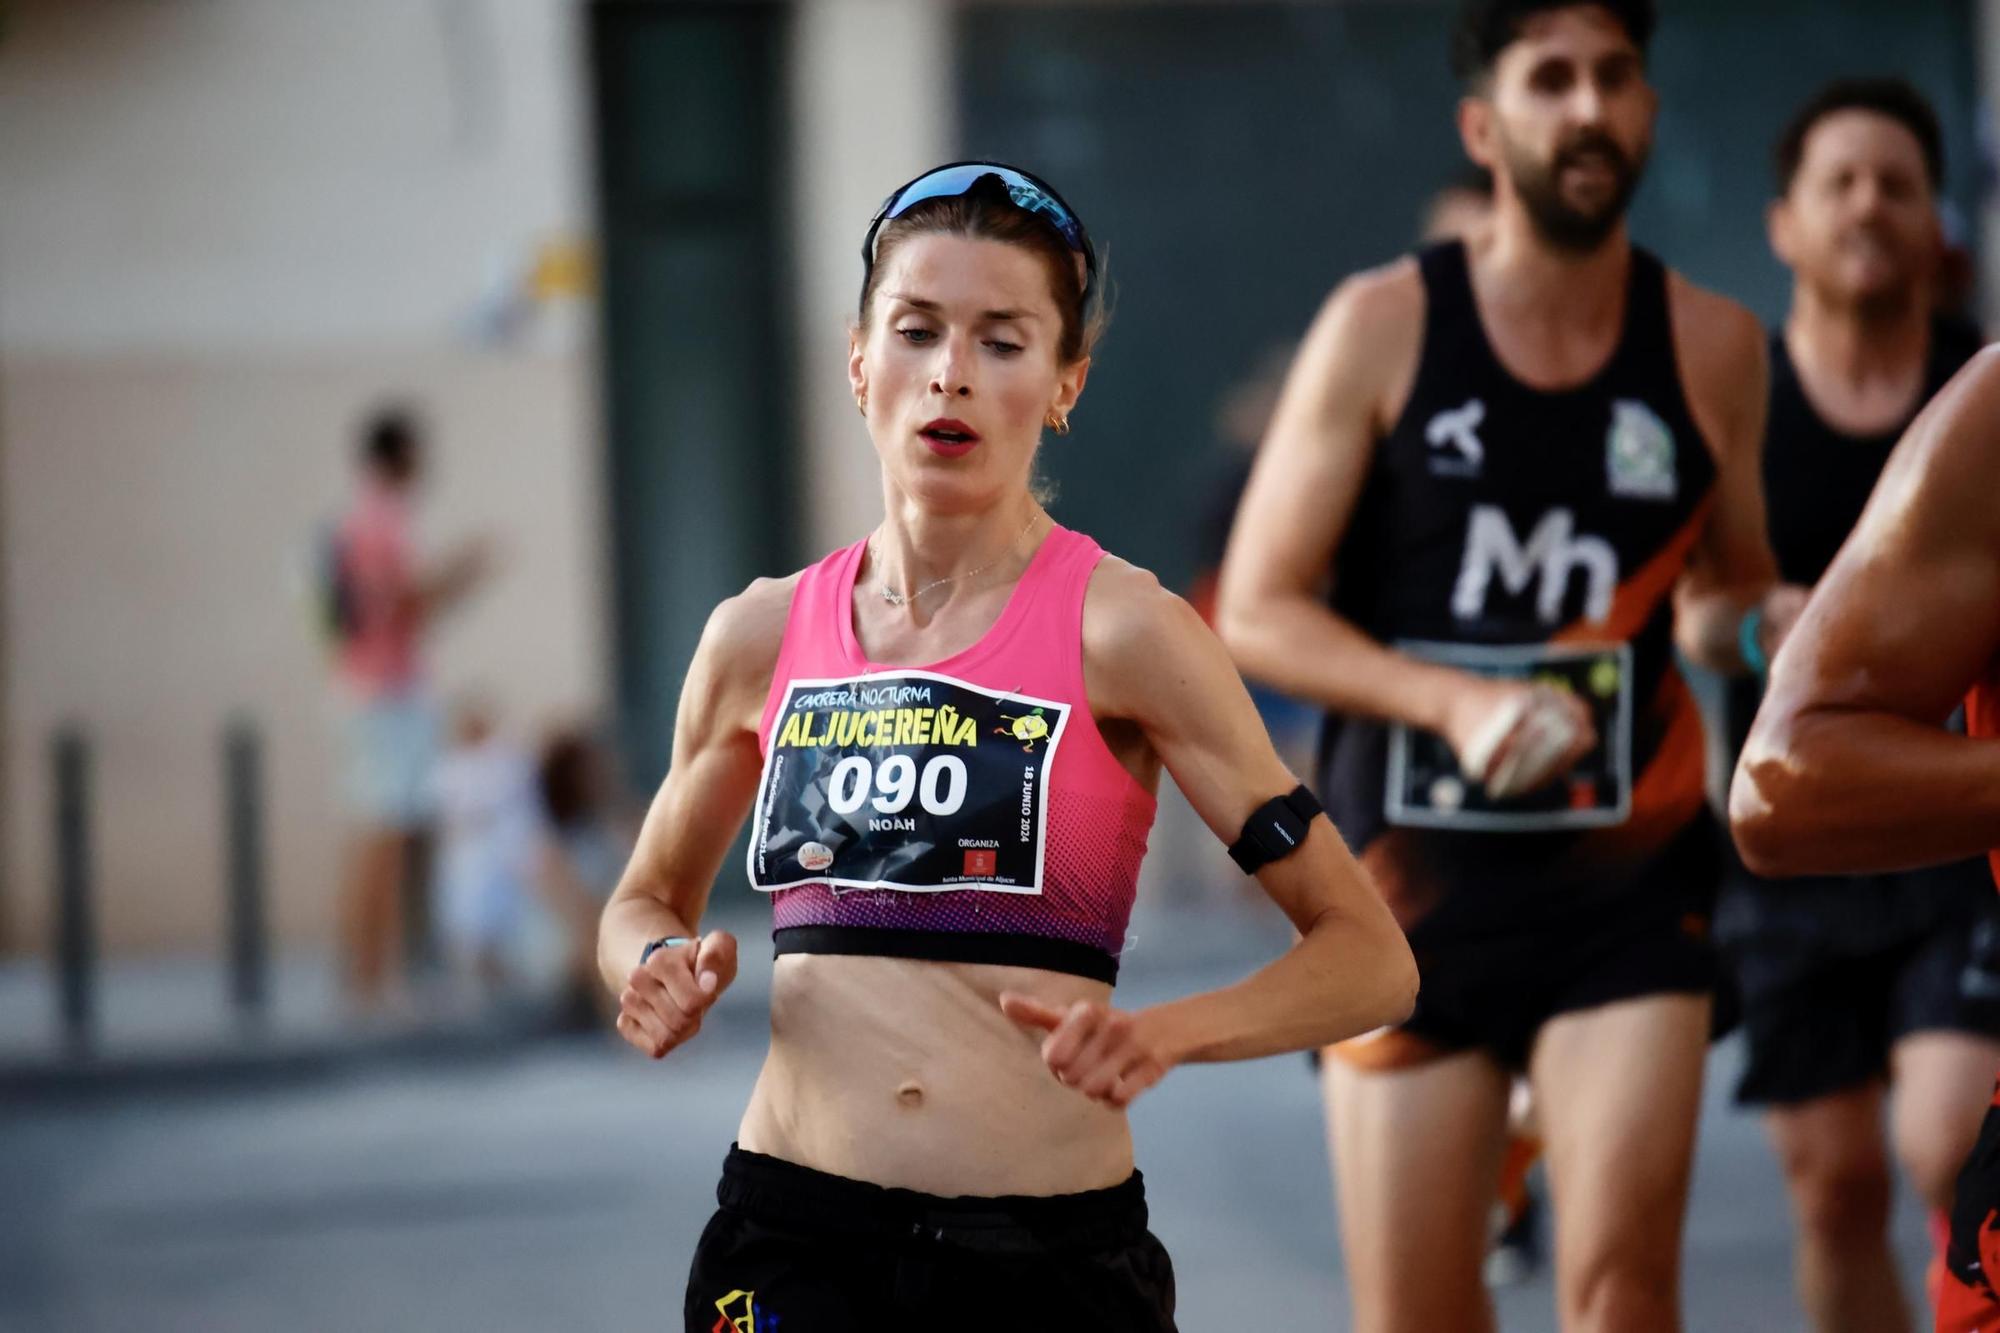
(861, 404)
(1058, 424)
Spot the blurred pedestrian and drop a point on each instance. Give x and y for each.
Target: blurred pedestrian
(382, 601)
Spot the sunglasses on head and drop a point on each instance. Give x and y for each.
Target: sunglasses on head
(1027, 192)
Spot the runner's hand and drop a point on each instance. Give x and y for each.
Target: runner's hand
(666, 996)
(1101, 1052)
(1512, 737)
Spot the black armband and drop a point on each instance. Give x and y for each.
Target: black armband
(1275, 830)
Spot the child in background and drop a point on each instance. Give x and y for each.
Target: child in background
(590, 831)
(491, 829)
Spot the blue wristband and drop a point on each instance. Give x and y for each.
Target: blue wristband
(664, 942)
(1748, 643)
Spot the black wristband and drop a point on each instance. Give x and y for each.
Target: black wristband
(1274, 830)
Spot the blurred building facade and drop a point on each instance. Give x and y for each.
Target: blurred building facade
(229, 227)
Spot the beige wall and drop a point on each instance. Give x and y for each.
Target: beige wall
(259, 173)
(227, 228)
(155, 512)
(851, 147)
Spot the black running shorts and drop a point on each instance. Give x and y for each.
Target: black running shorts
(1497, 997)
(1824, 1000)
(794, 1250)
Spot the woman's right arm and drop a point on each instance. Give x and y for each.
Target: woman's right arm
(694, 818)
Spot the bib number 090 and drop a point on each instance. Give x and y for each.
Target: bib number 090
(941, 789)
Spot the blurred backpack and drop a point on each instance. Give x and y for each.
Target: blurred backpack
(326, 588)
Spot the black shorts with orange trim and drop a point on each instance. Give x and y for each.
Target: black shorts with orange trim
(791, 1248)
(1968, 1301)
(1492, 987)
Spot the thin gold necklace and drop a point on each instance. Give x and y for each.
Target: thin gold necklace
(894, 598)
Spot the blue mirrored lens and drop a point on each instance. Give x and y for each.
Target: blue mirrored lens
(954, 181)
(948, 183)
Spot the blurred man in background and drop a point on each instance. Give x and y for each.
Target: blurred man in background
(1849, 768)
(384, 600)
(1461, 209)
(1526, 465)
(1853, 986)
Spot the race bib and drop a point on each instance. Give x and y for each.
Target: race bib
(905, 780)
(1426, 788)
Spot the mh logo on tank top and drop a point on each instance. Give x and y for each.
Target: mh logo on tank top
(1638, 465)
(1552, 555)
(1545, 566)
(1424, 785)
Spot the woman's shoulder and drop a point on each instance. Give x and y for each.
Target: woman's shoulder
(756, 616)
(745, 632)
(1130, 618)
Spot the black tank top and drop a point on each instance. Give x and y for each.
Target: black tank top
(1522, 532)
(1816, 482)
(1816, 478)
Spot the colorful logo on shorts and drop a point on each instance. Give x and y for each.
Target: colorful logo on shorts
(982, 862)
(738, 1313)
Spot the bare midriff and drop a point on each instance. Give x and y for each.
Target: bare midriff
(905, 1073)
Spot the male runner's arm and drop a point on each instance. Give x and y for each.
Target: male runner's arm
(1849, 767)
(707, 791)
(1731, 571)
(1150, 661)
(1351, 377)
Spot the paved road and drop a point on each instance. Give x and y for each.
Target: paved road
(562, 1187)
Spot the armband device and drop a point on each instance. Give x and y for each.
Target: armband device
(1274, 830)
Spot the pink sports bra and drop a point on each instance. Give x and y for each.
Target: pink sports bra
(967, 810)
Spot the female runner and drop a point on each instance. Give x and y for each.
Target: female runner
(948, 736)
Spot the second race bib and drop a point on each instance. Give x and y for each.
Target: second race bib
(905, 780)
(1425, 787)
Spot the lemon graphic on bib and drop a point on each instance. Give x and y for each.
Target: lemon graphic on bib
(1604, 677)
(1027, 729)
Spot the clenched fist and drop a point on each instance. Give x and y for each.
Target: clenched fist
(1103, 1053)
(1512, 737)
(666, 996)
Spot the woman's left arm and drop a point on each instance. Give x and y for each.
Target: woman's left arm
(1150, 661)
